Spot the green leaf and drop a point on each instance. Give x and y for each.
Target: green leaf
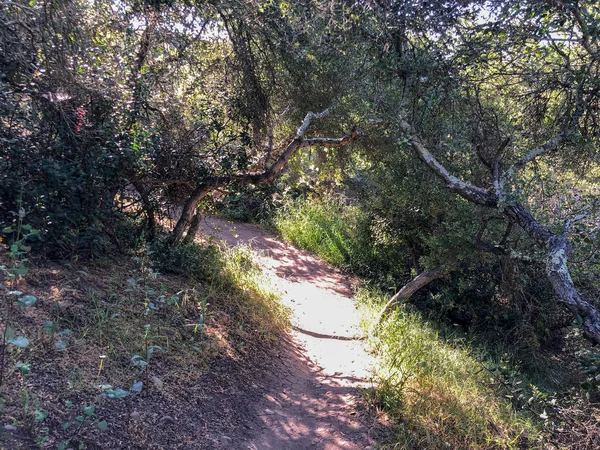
(60, 345)
(23, 367)
(40, 415)
(66, 425)
(68, 403)
(152, 349)
(20, 341)
(27, 300)
(79, 419)
(117, 393)
(102, 425)
(9, 334)
(20, 270)
(137, 386)
(8, 229)
(63, 445)
(89, 410)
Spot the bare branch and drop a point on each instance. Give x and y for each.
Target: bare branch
(420, 281)
(210, 183)
(568, 222)
(546, 147)
(470, 192)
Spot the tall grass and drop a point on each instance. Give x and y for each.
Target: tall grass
(322, 227)
(233, 280)
(244, 287)
(440, 393)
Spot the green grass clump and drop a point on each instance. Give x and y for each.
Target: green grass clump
(437, 390)
(233, 279)
(317, 226)
(244, 287)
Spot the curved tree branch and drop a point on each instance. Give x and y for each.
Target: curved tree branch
(420, 281)
(557, 246)
(261, 178)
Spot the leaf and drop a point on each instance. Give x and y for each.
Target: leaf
(23, 367)
(40, 415)
(102, 425)
(89, 410)
(79, 419)
(9, 334)
(26, 300)
(157, 381)
(68, 403)
(17, 293)
(8, 229)
(137, 386)
(20, 270)
(60, 345)
(117, 393)
(153, 348)
(66, 425)
(21, 342)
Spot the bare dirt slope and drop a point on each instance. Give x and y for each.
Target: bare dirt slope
(309, 397)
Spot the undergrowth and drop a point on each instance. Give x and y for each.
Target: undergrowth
(318, 227)
(441, 393)
(109, 334)
(445, 386)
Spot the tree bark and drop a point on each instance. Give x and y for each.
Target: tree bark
(194, 227)
(557, 246)
(419, 282)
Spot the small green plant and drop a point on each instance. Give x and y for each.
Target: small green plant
(14, 271)
(85, 417)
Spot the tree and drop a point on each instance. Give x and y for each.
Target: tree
(529, 86)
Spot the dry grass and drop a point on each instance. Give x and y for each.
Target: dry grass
(107, 311)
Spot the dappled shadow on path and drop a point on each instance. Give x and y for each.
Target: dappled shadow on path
(310, 390)
(303, 408)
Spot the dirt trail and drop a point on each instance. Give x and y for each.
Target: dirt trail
(310, 395)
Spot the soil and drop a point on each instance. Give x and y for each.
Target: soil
(234, 391)
(313, 395)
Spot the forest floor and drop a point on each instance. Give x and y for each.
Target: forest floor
(312, 395)
(231, 385)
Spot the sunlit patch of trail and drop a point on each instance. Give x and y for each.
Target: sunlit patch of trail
(311, 396)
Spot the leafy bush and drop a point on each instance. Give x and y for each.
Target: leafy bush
(192, 260)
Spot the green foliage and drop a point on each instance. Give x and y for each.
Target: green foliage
(438, 388)
(250, 295)
(199, 262)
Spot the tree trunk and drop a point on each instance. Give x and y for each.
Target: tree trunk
(188, 211)
(557, 246)
(148, 207)
(420, 281)
(194, 227)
